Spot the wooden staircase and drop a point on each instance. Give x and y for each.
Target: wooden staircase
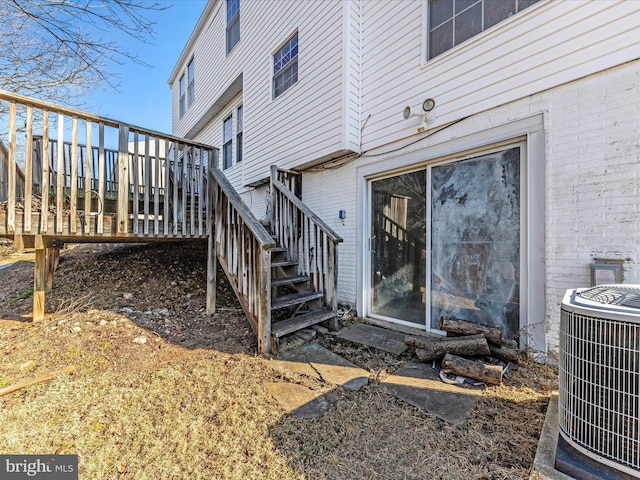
(294, 305)
(285, 280)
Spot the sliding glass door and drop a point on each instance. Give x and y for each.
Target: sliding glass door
(445, 241)
(398, 252)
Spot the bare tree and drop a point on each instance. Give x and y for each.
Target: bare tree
(56, 50)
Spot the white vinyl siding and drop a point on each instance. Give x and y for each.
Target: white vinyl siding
(548, 44)
(318, 98)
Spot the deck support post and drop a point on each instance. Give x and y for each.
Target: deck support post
(39, 280)
(46, 256)
(53, 256)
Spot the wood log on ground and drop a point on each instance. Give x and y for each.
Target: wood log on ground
(507, 354)
(464, 327)
(433, 348)
(41, 379)
(483, 372)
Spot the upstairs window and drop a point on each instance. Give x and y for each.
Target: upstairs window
(183, 89)
(285, 66)
(233, 24)
(239, 121)
(227, 145)
(191, 93)
(452, 22)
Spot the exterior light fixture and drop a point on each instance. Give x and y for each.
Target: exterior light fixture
(422, 111)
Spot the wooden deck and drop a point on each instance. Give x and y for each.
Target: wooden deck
(75, 177)
(89, 179)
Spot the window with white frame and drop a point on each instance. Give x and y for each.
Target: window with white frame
(285, 66)
(452, 22)
(239, 122)
(227, 142)
(191, 93)
(183, 90)
(233, 24)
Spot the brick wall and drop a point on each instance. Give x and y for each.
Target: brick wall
(592, 182)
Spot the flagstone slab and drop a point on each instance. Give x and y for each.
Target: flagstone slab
(316, 361)
(300, 400)
(419, 385)
(376, 337)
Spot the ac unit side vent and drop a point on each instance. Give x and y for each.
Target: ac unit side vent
(599, 401)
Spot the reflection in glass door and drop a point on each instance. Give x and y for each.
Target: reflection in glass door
(398, 248)
(475, 240)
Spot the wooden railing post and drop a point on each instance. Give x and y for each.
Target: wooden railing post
(122, 210)
(212, 250)
(272, 196)
(11, 187)
(264, 300)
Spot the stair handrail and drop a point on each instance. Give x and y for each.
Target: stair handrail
(282, 188)
(242, 246)
(309, 240)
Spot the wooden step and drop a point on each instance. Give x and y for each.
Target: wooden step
(284, 263)
(298, 322)
(294, 299)
(279, 250)
(290, 280)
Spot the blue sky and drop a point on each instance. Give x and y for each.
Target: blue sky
(144, 97)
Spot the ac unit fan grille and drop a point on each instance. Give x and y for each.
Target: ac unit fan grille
(599, 398)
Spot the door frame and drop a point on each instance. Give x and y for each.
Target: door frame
(367, 259)
(531, 131)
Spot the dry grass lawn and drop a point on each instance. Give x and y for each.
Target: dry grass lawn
(190, 402)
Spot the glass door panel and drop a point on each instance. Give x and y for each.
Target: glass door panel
(398, 252)
(475, 240)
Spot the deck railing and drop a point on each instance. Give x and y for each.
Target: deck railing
(243, 248)
(134, 181)
(307, 237)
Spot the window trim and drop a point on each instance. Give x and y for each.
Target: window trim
(293, 61)
(191, 93)
(239, 133)
(227, 153)
(182, 95)
(231, 24)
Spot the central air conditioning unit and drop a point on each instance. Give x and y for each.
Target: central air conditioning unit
(599, 397)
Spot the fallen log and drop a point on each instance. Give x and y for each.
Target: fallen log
(464, 327)
(507, 354)
(28, 383)
(483, 372)
(429, 349)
